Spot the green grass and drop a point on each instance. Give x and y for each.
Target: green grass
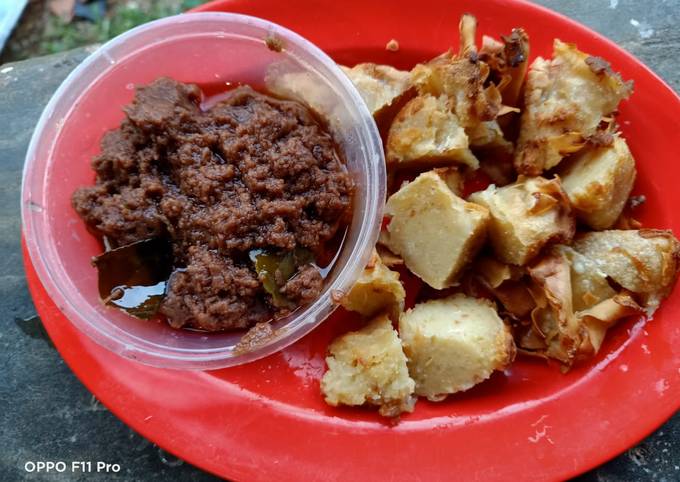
(60, 36)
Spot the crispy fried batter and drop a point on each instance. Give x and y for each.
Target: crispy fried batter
(645, 261)
(508, 61)
(574, 307)
(566, 99)
(427, 133)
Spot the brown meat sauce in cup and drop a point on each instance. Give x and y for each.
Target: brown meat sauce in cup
(249, 192)
(223, 268)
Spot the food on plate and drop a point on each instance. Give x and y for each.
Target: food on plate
(574, 307)
(589, 284)
(566, 100)
(240, 202)
(511, 241)
(249, 193)
(454, 179)
(474, 96)
(525, 216)
(643, 261)
(392, 45)
(491, 176)
(506, 282)
(461, 78)
(453, 344)
(378, 289)
(436, 232)
(508, 61)
(381, 86)
(426, 132)
(368, 366)
(488, 136)
(598, 181)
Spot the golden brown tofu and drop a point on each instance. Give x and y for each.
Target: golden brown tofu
(566, 98)
(427, 133)
(495, 153)
(475, 101)
(433, 230)
(378, 289)
(381, 86)
(462, 79)
(488, 135)
(368, 366)
(598, 181)
(453, 344)
(453, 178)
(643, 261)
(525, 216)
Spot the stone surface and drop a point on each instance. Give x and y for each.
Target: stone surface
(47, 414)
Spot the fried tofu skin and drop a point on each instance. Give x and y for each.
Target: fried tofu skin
(368, 367)
(525, 216)
(643, 261)
(598, 181)
(453, 344)
(566, 99)
(435, 232)
(508, 60)
(574, 308)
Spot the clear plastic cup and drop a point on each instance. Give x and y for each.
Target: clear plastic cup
(208, 49)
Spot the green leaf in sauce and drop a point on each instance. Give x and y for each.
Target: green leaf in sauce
(133, 277)
(275, 269)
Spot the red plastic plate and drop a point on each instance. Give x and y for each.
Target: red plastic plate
(267, 421)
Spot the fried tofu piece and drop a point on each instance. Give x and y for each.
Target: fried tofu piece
(643, 261)
(598, 181)
(368, 367)
(489, 135)
(462, 79)
(426, 132)
(495, 153)
(378, 289)
(433, 230)
(474, 98)
(525, 216)
(381, 86)
(453, 178)
(453, 344)
(566, 98)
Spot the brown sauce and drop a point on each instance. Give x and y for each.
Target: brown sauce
(249, 193)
